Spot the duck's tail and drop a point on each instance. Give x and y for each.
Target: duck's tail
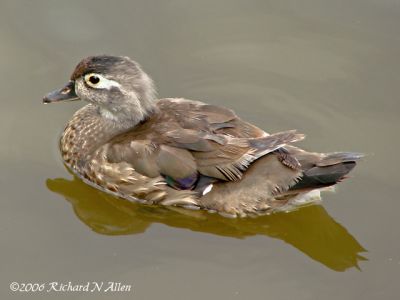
(329, 170)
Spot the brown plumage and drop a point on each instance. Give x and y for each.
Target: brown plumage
(182, 152)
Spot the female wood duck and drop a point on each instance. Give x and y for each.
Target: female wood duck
(181, 152)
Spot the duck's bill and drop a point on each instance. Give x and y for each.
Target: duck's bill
(67, 93)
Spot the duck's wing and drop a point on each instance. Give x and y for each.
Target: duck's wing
(197, 115)
(186, 154)
(190, 140)
(225, 157)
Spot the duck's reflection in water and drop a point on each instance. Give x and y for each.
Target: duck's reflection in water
(310, 229)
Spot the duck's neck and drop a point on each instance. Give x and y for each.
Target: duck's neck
(90, 128)
(125, 118)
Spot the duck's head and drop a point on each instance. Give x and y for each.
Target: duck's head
(116, 84)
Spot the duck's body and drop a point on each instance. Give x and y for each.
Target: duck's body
(188, 153)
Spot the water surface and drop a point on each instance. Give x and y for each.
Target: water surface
(327, 68)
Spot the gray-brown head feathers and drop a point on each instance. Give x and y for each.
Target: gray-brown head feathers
(117, 85)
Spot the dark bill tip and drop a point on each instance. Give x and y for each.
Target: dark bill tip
(67, 93)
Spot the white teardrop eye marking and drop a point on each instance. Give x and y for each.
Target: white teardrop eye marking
(98, 81)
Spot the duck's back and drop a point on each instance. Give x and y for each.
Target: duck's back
(174, 114)
(185, 139)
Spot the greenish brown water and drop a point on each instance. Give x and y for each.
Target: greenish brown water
(327, 68)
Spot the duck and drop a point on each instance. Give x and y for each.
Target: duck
(180, 152)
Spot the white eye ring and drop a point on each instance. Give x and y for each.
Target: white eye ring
(98, 81)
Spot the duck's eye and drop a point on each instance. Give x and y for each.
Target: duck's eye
(98, 81)
(94, 79)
